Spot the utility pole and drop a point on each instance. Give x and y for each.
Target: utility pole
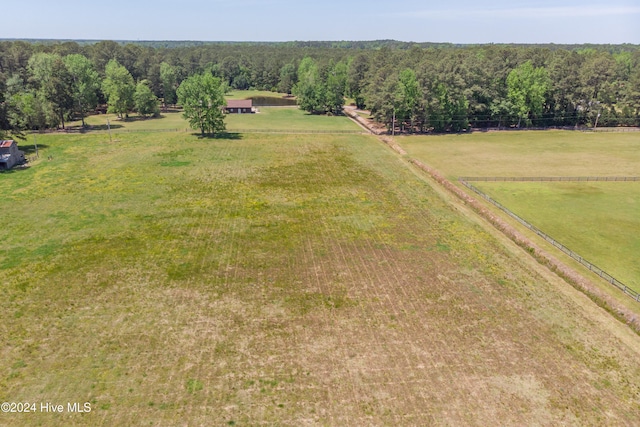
(393, 123)
(109, 127)
(596, 124)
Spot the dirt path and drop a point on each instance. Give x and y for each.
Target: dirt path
(350, 112)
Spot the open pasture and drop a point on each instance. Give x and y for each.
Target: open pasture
(600, 221)
(268, 119)
(528, 153)
(246, 94)
(288, 119)
(166, 121)
(271, 279)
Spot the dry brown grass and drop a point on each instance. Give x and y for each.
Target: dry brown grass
(298, 281)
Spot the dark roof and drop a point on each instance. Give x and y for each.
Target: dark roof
(239, 103)
(6, 143)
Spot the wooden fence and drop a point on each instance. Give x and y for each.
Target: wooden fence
(228, 131)
(592, 267)
(614, 129)
(550, 178)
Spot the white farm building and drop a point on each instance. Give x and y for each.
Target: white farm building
(10, 155)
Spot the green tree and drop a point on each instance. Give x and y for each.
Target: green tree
(380, 95)
(145, 101)
(118, 86)
(632, 94)
(4, 122)
(103, 52)
(335, 87)
(86, 83)
(310, 90)
(288, 77)
(596, 75)
(565, 91)
(447, 111)
(356, 81)
(14, 85)
(169, 78)
(526, 89)
(202, 97)
(502, 110)
(30, 110)
(408, 97)
(53, 81)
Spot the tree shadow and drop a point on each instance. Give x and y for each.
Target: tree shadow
(94, 128)
(141, 118)
(31, 149)
(219, 135)
(327, 114)
(17, 168)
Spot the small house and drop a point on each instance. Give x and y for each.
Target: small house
(239, 106)
(10, 155)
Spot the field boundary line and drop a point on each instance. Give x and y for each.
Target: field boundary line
(548, 178)
(570, 275)
(592, 267)
(328, 132)
(350, 113)
(228, 131)
(543, 257)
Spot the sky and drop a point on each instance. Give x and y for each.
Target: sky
(454, 21)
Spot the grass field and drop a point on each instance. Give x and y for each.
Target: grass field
(246, 94)
(273, 279)
(287, 119)
(268, 119)
(530, 153)
(600, 221)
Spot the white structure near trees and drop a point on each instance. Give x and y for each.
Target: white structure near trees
(10, 155)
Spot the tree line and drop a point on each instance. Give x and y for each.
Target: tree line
(416, 87)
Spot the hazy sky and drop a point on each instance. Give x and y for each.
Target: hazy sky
(457, 21)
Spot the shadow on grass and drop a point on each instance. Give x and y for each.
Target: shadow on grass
(91, 128)
(221, 135)
(31, 149)
(17, 168)
(141, 118)
(327, 114)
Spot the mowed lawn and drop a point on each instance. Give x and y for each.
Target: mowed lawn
(271, 279)
(598, 220)
(246, 94)
(289, 119)
(529, 153)
(268, 119)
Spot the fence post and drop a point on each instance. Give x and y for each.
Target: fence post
(553, 242)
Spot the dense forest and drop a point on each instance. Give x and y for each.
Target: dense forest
(419, 87)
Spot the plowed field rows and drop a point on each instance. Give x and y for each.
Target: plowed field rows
(282, 280)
